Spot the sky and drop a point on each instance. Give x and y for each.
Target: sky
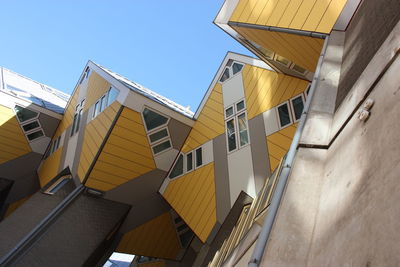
(171, 47)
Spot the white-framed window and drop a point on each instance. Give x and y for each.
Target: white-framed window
(284, 115)
(297, 106)
(105, 100)
(77, 117)
(54, 145)
(85, 75)
(282, 60)
(29, 121)
(58, 184)
(186, 163)
(236, 125)
(178, 168)
(199, 157)
(157, 130)
(307, 91)
(231, 69)
(299, 69)
(189, 161)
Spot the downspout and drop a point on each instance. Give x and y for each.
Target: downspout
(263, 237)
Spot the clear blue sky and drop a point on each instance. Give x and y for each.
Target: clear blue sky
(171, 47)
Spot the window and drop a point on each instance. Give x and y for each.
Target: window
(228, 112)
(31, 126)
(154, 137)
(199, 157)
(58, 184)
(161, 147)
(77, 117)
(230, 70)
(178, 168)
(236, 126)
(153, 119)
(297, 106)
(85, 75)
(189, 161)
(34, 135)
(284, 115)
(24, 114)
(299, 69)
(107, 99)
(54, 145)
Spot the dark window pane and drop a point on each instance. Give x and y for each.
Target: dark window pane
(74, 123)
(298, 106)
(284, 117)
(178, 167)
(35, 135)
(229, 112)
(158, 135)
(182, 227)
(240, 105)
(189, 161)
(112, 95)
(103, 103)
(178, 220)
(236, 68)
(153, 119)
(161, 147)
(225, 75)
(185, 238)
(230, 131)
(30, 126)
(199, 157)
(24, 114)
(78, 121)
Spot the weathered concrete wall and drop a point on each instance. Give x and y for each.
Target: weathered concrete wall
(341, 204)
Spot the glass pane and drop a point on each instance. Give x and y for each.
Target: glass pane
(199, 157)
(284, 117)
(74, 123)
(225, 75)
(158, 135)
(153, 119)
(161, 147)
(229, 112)
(282, 60)
(24, 114)
(182, 227)
(298, 106)
(236, 68)
(186, 237)
(243, 134)
(30, 126)
(35, 135)
(178, 167)
(78, 121)
(103, 103)
(240, 106)
(96, 109)
(112, 95)
(230, 131)
(189, 161)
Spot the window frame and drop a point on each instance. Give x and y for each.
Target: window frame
(174, 164)
(158, 127)
(238, 130)
(235, 118)
(230, 71)
(56, 183)
(186, 161)
(281, 63)
(294, 120)
(31, 120)
(289, 112)
(76, 122)
(195, 166)
(159, 140)
(233, 112)
(162, 151)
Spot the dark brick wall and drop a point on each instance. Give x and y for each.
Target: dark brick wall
(367, 31)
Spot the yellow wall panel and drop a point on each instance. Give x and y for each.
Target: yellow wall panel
(278, 144)
(13, 143)
(307, 15)
(97, 86)
(49, 168)
(125, 156)
(95, 132)
(270, 90)
(156, 238)
(193, 197)
(210, 122)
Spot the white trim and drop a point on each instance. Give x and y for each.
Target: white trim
(238, 130)
(226, 11)
(233, 112)
(173, 166)
(287, 65)
(290, 115)
(162, 151)
(292, 107)
(159, 113)
(159, 140)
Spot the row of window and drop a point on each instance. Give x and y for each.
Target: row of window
(290, 111)
(85, 75)
(104, 101)
(231, 69)
(236, 126)
(77, 117)
(157, 131)
(54, 145)
(29, 122)
(187, 163)
(183, 231)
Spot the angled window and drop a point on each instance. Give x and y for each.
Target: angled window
(154, 137)
(153, 119)
(297, 105)
(231, 133)
(199, 157)
(282, 60)
(161, 147)
(225, 75)
(34, 135)
(31, 126)
(103, 102)
(57, 185)
(243, 133)
(189, 161)
(24, 114)
(284, 115)
(178, 168)
(236, 67)
(112, 95)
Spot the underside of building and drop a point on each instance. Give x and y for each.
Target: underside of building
(290, 159)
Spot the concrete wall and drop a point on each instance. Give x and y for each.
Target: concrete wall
(340, 207)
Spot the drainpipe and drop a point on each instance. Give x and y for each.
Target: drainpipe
(263, 237)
